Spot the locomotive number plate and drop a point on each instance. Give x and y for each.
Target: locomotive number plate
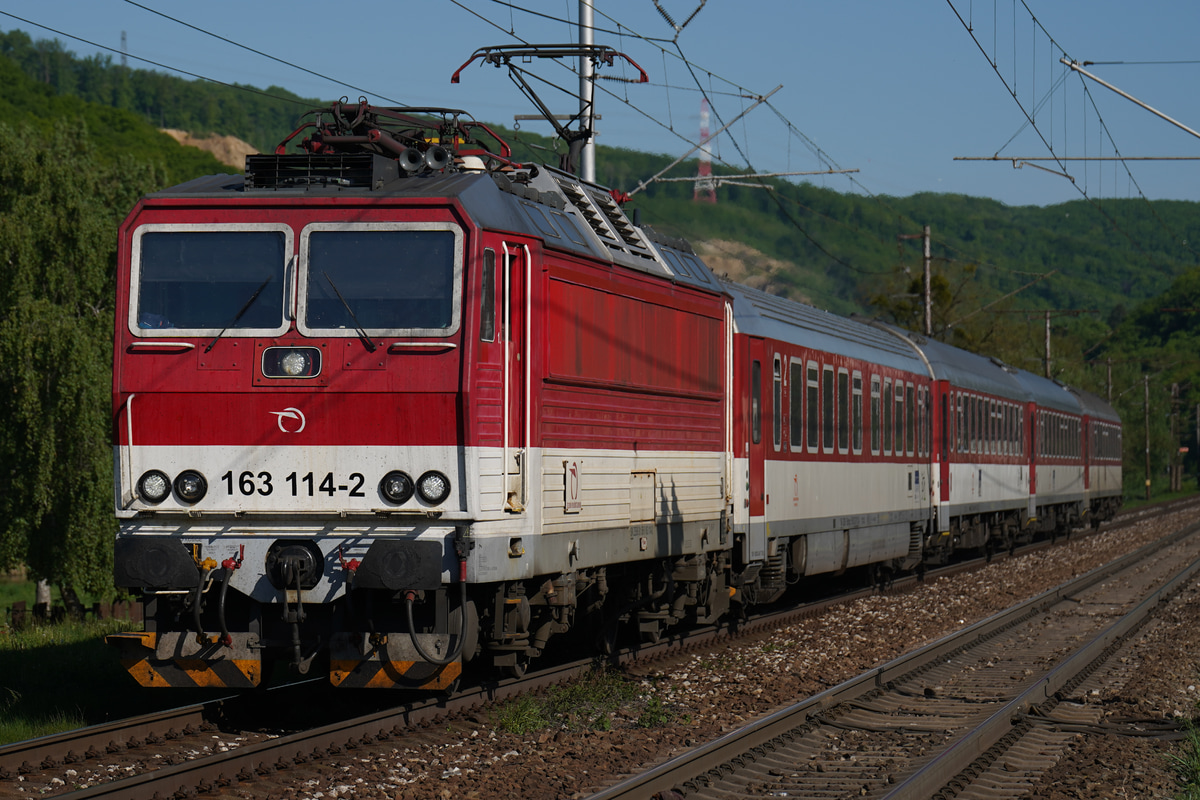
(296, 485)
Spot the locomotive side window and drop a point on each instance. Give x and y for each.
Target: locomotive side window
(756, 402)
(487, 297)
(874, 421)
(827, 410)
(796, 376)
(208, 280)
(387, 279)
(777, 402)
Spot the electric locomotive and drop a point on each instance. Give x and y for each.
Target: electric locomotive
(394, 403)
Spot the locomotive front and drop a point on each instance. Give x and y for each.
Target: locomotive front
(288, 422)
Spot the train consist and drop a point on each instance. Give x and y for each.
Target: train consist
(393, 404)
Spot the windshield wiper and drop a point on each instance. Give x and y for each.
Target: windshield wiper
(362, 335)
(239, 314)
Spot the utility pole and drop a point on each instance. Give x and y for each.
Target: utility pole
(928, 288)
(1146, 383)
(1049, 372)
(1109, 373)
(587, 88)
(927, 292)
(1176, 478)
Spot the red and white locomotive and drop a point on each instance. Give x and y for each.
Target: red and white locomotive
(393, 403)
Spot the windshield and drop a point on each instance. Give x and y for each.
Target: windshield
(199, 281)
(396, 280)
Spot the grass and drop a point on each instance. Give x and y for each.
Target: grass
(1186, 763)
(59, 676)
(592, 703)
(55, 677)
(1189, 488)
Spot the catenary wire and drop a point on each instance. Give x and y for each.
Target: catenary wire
(261, 53)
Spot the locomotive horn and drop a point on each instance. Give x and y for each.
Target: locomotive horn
(437, 157)
(410, 160)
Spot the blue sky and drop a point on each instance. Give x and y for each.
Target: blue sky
(896, 90)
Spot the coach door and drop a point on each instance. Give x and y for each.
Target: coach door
(1032, 443)
(757, 373)
(516, 319)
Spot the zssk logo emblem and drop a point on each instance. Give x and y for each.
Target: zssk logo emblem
(290, 414)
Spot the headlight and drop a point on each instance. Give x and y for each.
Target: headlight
(295, 363)
(291, 362)
(154, 486)
(190, 486)
(434, 487)
(397, 487)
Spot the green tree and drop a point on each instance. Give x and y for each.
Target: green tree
(59, 210)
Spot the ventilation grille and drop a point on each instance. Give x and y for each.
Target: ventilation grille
(355, 170)
(605, 217)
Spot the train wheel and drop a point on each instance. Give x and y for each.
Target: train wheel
(517, 669)
(650, 632)
(607, 636)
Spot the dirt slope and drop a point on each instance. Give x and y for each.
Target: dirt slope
(227, 149)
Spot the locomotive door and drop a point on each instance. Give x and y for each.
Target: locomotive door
(516, 322)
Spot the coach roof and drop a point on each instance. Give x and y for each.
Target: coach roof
(757, 313)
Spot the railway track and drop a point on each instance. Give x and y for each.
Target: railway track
(202, 754)
(979, 713)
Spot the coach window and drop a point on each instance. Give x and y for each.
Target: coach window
(856, 411)
(964, 423)
(874, 421)
(487, 297)
(899, 418)
(994, 427)
(777, 402)
(985, 426)
(1008, 425)
(843, 410)
(813, 400)
(795, 401)
(887, 416)
(972, 429)
(827, 410)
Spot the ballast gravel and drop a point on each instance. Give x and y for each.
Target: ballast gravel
(688, 700)
(709, 693)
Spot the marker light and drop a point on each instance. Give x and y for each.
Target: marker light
(154, 486)
(191, 486)
(397, 487)
(434, 487)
